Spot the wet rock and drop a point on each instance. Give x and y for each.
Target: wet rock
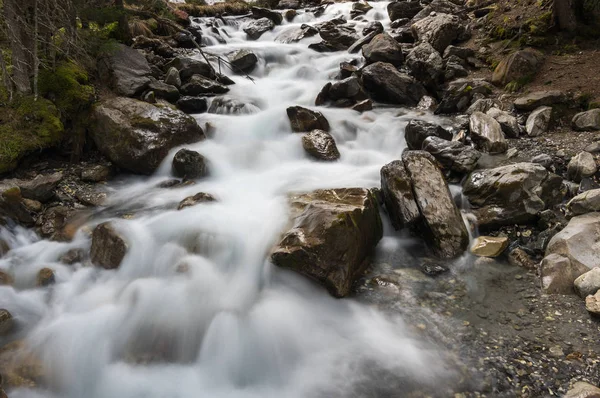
(439, 30)
(459, 94)
(91, 196)
(73, 256)
(126, 70)
(333, 233)
(487, 134)
(12, 207)
(348, 88)
(200, 197)
(426, 65)
(303, 119)
(6, 278)
(108, 246)
(172, 77)
(189, 164)
(362, 42)
(416, 131)
(403, 9)
(557, 274)
(53, 222)
(386, 84)
(184, 39)
(489, 246)
(580, 166)
(289, 15)
(97, 173)
(359, 8)
(442, 227)
(511, 194)
(518, 66)
(258, 13)
(588, 283)
(373, 27)
(592, 304)
(255, 29)
(189, 67)
(587, 121)
(243, 61)
(320, 145)
(452, 155)
(294, 35)
(164, 90)
(289, 4)
(398, 196)
(198, 85)
(585, 202)
(323, 47)
(534, 100)
(7, 322)
(538, 121)
(136, 136)
(582, 389)
(192, 104)
(231, 106)
(339, 37)
(45, 277)
(383, 48)
(508, 123)
(427, 103)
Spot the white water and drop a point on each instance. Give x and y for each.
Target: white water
(234, 325)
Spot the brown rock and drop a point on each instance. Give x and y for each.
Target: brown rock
(200, 197)
(303, 119)
(108, 247)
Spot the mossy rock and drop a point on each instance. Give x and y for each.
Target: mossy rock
(68, 85)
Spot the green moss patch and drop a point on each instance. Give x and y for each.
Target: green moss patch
(68, 86)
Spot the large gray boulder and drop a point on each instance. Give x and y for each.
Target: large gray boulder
(333, 233)
(585, 202)
(386, 84)
(439, 30)
(512, 194)
(398, 195)
(587, 121)
(416, 131)
(538, 121)
(426, 64)
(136, 135)
(487, 134)
(126, 70)
(517, 67)
(383, 48)
(452, 155)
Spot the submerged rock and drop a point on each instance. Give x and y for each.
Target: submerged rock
(303, 119)
(489, 246)
(108, 246)
(320, 145)
(333, 233)
(45, 277)
(7, 323)
(189, 164)
(200, 197)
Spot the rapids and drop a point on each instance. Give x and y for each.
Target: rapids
(233, 325)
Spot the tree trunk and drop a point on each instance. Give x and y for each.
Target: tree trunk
(565, 13)
(18, 17)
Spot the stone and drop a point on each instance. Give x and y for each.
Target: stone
(483, 105)
(511, 194)
(172, 77)
(346, 88)
(580, 166)
(189, 67)
(592, 304)
(416, 131)
(534, 100)
(403, 9)
(73, 256)
(108, 246)
(427, 103)
(303, 120)
(126, 70)
(164, 90)
(149, 97)
(225, 105)
(487, 134)
(360, 8)
(460, 52)
(588, 283)
(438, 6)
(452, 155)
(54, 221)
(320, 145)
(41, 188)
(363, 106)
(538, 121)
(587, 121)
(137, 136)
(7, 322)
(184, 39)
(426, 65)
(398, 196)
(289, 4)
(242, 61)
(489, 246)
(97, 173)
(337, 36)
(255, 29)
(258, 13)
(508, 123)
(294, 35)
(333, 233)
(585, 202)
(582, 389)
(520, 258)
(12, 207)
(386, 84)
(373, 27)
(543, 159)
(517, 67)
(439, 30)
(45, 277)
(442, 227)
(557, 274)
(198, 85)
(192, 105)
(383, 48)
(459, 94)
(200, 197)
(189, 164)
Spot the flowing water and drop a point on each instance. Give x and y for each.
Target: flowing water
(196, 309)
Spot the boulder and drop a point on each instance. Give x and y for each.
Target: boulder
(534, 100)
(517, 67)
(403, 9)
(189, 67)
(192, 104)
(359, 8)
(13, 207)
(97, 173)
(508, 123)
(333, 233)
(483, 105)
(294, 35)
(200, 197)
(386, 84)
(320, 145)
(108, 246)
(459, 94)
(588, 283)
(164, 91)
(198, 85)
(442, 227)
(582, 389)
(126, 70)
(511, 194)
(274, 16)
(363, 106)
(585, 202)
(348, 88)
(460, 52)
(243, 61)
(40, 188)
(189, 164)
(580, 166)
(426, 65)
(289, 4)
(383, 48)
(439, 30)
(416, 131)
(45, 277)
(489, 246)
(452, 155)
(136, 135)
(544, 159)
(558, 274)
(587, 121)
(438, 6)
(592, 304)
(303, 119)
(172, 77)
(360, 43)
(487, 134)
(255, 29)
(373, 27)
(337, 36)
(538, 121)
(398, 196)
